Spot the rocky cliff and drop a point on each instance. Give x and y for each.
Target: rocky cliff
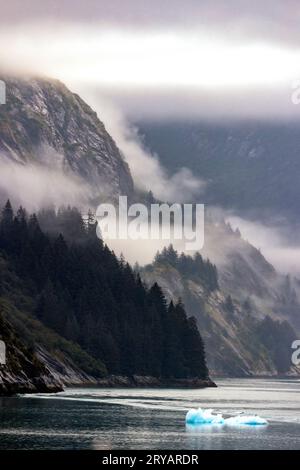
(23, 371)
(39, 360)
(44, 124)
(249, 322)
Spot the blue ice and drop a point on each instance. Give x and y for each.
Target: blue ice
(251, 420)
(202, 416)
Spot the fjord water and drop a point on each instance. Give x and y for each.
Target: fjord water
(93, 418)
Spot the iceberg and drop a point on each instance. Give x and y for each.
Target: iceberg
(202, 416)
(241, 420)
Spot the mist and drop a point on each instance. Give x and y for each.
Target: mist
(147, 172)
(273, 242)
(160, 61)
(275, 20)
(173, 73)
(34, 186)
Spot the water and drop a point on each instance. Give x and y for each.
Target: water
(91, 418)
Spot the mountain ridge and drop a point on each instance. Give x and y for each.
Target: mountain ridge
(251, 167)
(45, 124)
(244, 335)
(246, 281)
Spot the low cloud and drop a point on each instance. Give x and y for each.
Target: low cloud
(273, 242)
(271, 19)
(34, 186)
(168, 73)
(147, 171)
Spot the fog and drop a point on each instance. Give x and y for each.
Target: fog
(136, 60)
(35, 186)
(273, 242)
(272, 20)
(161, 73)
(146, 169)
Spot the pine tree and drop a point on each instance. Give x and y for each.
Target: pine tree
(80, 289)
(7, 214)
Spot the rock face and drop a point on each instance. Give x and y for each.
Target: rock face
(44, 123)
(249, 166)
(39, 370)
(39, 367)
(23, 371)
(233, 343)
(249, 333)
(247, 276)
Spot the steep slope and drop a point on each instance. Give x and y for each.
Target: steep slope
(37, 358)
(245, 274)
(248, 166)
(85, 314)
(242, 336)
(23, 372)
(44, 124)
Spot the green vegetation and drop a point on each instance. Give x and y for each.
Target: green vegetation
(62, 287)
(192, 267)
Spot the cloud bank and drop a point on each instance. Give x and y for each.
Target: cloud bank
(269, 20)
(146, 169)
(163, 72)
(272, 240)
(34, 186)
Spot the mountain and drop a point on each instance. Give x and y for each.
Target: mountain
(84, 314)
(247, 315)
(80, 314)
(45, 125)
(245, 274)
(251, 167)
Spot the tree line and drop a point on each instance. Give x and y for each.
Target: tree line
(193, 266)
(80, 289)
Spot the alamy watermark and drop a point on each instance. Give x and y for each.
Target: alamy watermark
(183, 222)
(2, 353)
(2, 92)
(296, 353)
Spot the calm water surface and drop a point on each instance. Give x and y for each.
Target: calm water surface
(92, 418)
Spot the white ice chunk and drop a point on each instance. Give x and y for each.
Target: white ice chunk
(251, 420)
(202, 416)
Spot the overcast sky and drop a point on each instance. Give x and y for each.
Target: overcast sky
(164, 58)
(270, 19)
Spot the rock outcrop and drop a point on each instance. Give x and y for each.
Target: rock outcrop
(44, 124)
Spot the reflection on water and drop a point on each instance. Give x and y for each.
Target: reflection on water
(85, 418)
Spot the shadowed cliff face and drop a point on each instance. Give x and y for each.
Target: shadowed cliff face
(23, 371)
(249, 166)
(45, 125)
(249, 321)
(236, 340)
(37, 359)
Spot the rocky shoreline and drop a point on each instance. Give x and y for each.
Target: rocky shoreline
(153, 382)
(38, 385)
(39, 370)
(50, 385)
